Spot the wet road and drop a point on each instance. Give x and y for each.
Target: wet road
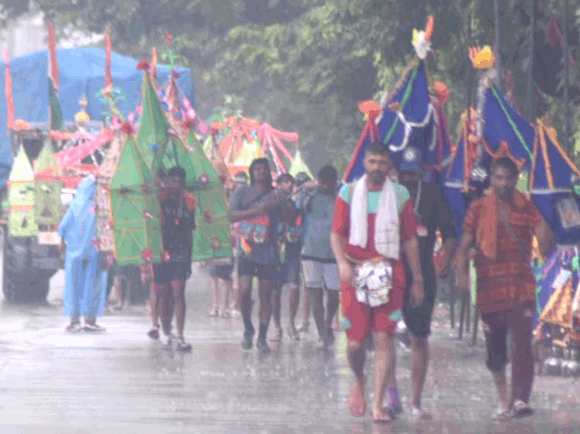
(122, 382)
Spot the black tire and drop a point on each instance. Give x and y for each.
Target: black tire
(21, 282)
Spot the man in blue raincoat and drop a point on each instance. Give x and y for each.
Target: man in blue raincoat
(85, 276)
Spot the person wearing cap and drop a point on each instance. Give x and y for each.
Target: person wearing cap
(433, 213)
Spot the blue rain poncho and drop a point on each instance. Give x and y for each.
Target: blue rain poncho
(85, 278)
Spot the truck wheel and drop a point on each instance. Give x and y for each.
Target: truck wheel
(22, 283)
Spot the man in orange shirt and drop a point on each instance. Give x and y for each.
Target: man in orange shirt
(374, 223)
(501, 225)
(177, 214)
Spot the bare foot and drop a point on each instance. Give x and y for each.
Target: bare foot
(356, 400)
(380, 415)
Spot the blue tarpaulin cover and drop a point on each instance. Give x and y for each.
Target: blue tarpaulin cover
(81, 72)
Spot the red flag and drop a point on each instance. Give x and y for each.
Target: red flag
(8, 92)
(108, 74)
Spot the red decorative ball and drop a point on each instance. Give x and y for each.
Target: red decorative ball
(147, 255)
(127, 128)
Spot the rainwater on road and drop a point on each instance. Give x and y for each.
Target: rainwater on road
(123, 382)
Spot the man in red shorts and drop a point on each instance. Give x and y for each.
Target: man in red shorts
(373, 223)
(177, 223)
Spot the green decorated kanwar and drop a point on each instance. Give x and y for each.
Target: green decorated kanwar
(127, 206)
(167, 143)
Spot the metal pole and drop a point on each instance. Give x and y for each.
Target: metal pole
(469, 76)
(497, 46)
(475, 328)
(531, 87)
(566, 82)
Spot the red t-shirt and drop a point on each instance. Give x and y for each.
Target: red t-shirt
(407, 226)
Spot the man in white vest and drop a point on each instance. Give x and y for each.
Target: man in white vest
(374, 223)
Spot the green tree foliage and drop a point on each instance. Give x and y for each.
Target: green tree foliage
(303, 65)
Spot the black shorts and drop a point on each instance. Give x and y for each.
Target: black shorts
(418, 319)
(222, 271)
(168, 271)
(261, 271)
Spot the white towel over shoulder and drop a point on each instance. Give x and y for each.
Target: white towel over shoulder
(387, 235)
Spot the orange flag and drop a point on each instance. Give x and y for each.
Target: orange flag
(52, 62)
(108, 74)
(8, 92)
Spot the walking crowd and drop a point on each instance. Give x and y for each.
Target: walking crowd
(365, 248)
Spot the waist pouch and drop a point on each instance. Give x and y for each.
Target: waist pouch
(373, 282)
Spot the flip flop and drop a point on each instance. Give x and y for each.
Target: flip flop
(356, 401)
(293, 334)
(521, 409)
(382, 417)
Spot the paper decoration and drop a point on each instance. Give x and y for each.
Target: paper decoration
(563, 277)
(558, 310)
(47, 202)
(75, 155)
(21, 217)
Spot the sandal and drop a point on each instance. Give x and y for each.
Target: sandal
(501, 415)
(417, 413)
(521, 409)
(154, 333)
(182, 345)
(356, 401)
(93, 327)
(74, 327)
(293, 334)
(383, 416)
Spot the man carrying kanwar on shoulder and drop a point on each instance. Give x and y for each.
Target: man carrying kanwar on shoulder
(256, 210)
(374, 223)
(177, 213)
(500, 226)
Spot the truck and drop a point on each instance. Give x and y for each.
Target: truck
(29, 262)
